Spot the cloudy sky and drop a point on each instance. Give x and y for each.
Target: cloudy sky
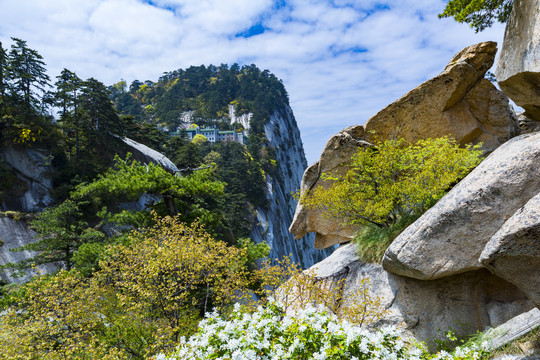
(341, 60)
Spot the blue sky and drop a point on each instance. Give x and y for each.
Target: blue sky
(341, 60)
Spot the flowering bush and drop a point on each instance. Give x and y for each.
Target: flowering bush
(309, 334)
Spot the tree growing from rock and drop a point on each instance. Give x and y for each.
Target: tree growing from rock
(391, 180)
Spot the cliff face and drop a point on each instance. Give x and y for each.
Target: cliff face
(272, 223)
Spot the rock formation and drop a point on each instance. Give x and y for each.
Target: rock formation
(145, 155)
(272, 222)
(513, 253)
(518, 69)
(33, 168)
(14, 234)
(464, 220)
(427, 309)
(459, 102)
(473, 260)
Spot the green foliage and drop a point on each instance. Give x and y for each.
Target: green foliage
(199, 139)
(61, 230)
(391, 180)
(194, 197)
(253, 251)
(145, 295)
(372, 241)
(480, 14)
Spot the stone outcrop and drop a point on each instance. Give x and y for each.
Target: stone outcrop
(464, 220)
(518, 69)
(14, 234)
(513, 253)
(335, 156)
(34, 170)
(459, 103)
(272, 222)
(426, 309)
(146, 155)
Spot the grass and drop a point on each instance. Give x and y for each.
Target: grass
(373, 241)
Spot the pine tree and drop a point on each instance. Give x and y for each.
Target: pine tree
(28, 75)
(66, 96)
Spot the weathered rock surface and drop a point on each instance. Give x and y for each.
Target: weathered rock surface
(513, 329)
(526, 125)
(334, 158)
(426, 309)
(513, 253)
(450, 237)
(14, 234)
(33, 168)
(518, 68)
(459, 103)
(272, 222)
(146, 155)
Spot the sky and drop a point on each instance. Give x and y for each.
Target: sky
(341, 61)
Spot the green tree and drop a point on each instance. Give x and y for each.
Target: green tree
(99, 109)
(66, 97)
(147, 293)
(61, 230)
(199, 139)
(480, 14)
(27, 74)
(3, 76)
(193, 197)
(391, 180)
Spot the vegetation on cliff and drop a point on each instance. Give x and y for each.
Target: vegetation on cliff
(389, 185)
(148, 292)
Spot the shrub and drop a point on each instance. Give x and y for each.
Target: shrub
(145, 295)
(389, 185)
(312, 333)
(392, 179)
(296, 289)
(270, 334)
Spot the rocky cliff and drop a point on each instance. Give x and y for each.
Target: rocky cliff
(459, 102)
(272, 223)
(471, 261)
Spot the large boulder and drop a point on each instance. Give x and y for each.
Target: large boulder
(513, 253)
(425, 310)
(459, 103)
(450, 237)
(34, 170)
(336, 155)
(518, 68)
(146, 155)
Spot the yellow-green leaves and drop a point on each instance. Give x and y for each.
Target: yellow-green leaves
(393, 179)
(145, 295)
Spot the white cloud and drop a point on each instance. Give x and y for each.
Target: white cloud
(341, 60)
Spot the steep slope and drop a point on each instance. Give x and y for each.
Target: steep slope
(262, 170)
(283, 134)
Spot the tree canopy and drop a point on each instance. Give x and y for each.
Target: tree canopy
(392, 179)
(479, 14)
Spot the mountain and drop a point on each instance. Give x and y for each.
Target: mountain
(262, 170)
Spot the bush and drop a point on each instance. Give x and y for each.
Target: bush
(145, 295)
(388, 186)
(392, 180)
(296, 289)
(312, 333)
(270, 334)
